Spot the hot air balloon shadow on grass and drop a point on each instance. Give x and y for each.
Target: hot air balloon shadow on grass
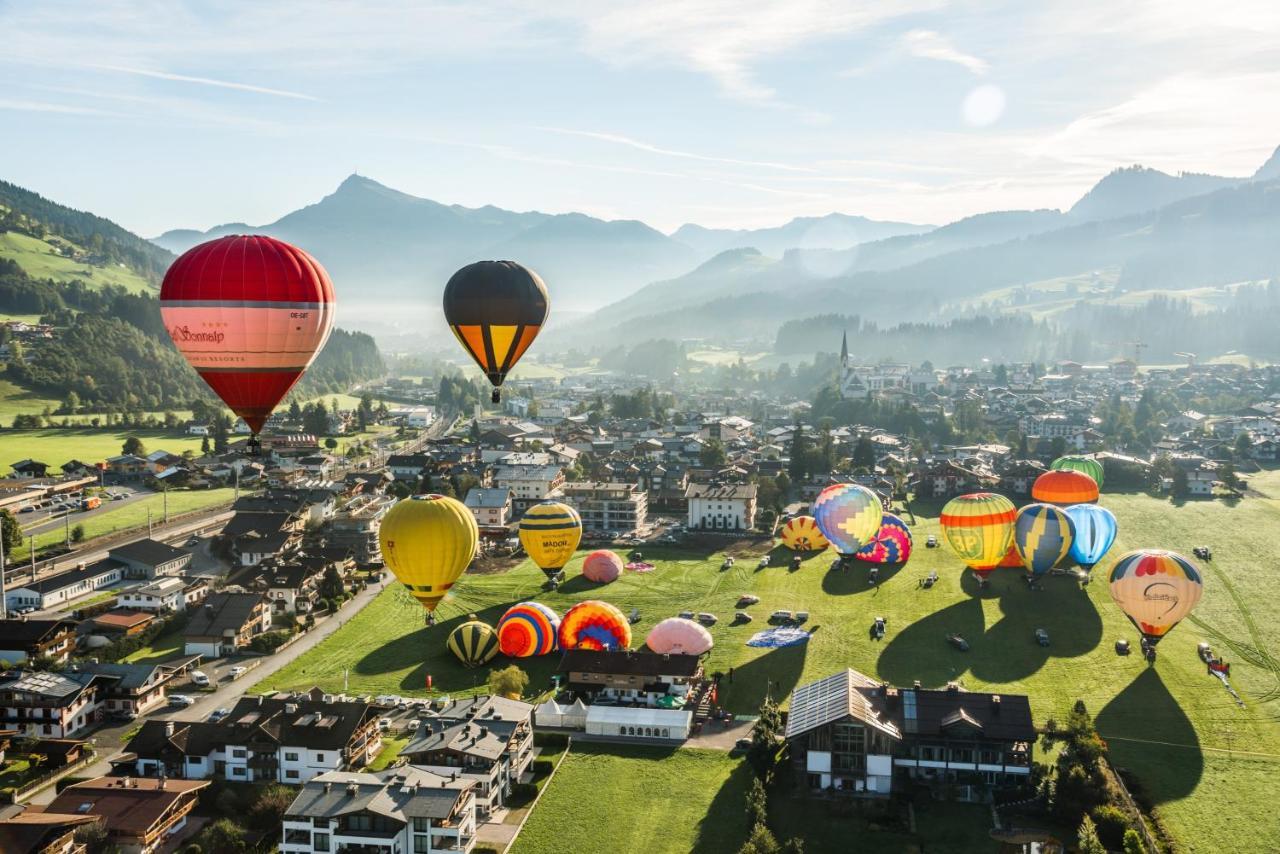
(250, 314)
(427, 542)
(495, 309)
(550, 533)
(1155, 589)
(979, 529)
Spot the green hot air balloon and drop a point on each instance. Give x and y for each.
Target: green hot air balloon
(1086, 465)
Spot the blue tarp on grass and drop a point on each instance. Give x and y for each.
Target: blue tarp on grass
(780, 637)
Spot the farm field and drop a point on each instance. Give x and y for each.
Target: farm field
(56, 446)
(39, 260)
(1208, 765)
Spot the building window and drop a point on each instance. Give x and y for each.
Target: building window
(422, 844)
(291, 757)
(320, 842)
(297, 837)
(291, 775)
(319, 757)
(238, 753)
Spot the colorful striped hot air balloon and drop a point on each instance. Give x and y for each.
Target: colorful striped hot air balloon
(1088, 465)
(1155, 589)
(801, 534)
(249, 313)
(848, 515)
(427, 542)
(594, 625)
(474, 643)
(1065, 488)
(678, 636)
(891, 545)
(602, 566)
(979, 529)
(1042, 534)
(495, 308)
(1095, 532)
(529, 628)
(550, 533)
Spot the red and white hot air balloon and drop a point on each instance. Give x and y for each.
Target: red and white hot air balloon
(249, 313)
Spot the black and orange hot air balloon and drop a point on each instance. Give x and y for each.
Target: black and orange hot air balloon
(249, 313)
(496, 309)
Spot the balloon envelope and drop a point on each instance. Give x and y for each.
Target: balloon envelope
(848, 515)
(801, 534)
(474, 643)
(594, 625)
(891, 545)
(1064, 488)
(1095, 529)
(678, 636)
(249, 313)
(1155, 589)
(1088, 465)
(550, 533)
(427, 542)
(979, 529)
(527, 629)
(1042, 534)
(602, 566)
(495, 309)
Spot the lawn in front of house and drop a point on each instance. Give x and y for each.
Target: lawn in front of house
(391, 748)
(1173, 725)
(164, 647)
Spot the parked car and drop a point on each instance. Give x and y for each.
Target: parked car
(238, 671)
(707, 619)
(781, 617)
(685, 615)
(958, 642)
(218, 714)
(742, 744)
(1122, 647)
(199, 677)
(181, 701)
(931, 542)
(740, 617)
(384, 724)
(877, 628)
(747, 599)
(1042, 637)
(413, 725)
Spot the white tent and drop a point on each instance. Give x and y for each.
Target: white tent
(553, 714)
(642, 722)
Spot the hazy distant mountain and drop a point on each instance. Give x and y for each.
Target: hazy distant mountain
(1137, 189)
(833, 231)
(392, 246)
(1271, 169)
(179, 240)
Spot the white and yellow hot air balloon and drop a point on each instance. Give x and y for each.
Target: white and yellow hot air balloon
(1155, 589)
(428, 541)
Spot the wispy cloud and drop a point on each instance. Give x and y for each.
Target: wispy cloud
(928, 44)
(49, 107)
(668, 152)
(206, 81)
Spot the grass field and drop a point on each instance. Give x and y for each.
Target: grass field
(40, 260)
(16, 400)
(1210, 767)
(166, 646)
(56, 446)
(132, 515)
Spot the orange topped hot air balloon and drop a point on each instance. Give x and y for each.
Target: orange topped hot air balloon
(1065, 487)
(249, 313)
(495, 309)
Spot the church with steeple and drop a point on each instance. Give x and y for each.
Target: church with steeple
(861, 380)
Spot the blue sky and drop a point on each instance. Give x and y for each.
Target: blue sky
(727, 113)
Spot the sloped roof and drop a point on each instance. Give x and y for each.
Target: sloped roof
(130, 805)
(831, 699)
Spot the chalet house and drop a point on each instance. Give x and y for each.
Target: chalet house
(850, 733)
(356, 527)
(62, 588)
(38, 832)
(253, 548)
(140, 815)
(79, 468)
(608, 505)
(122, 622)
(29, 468)
(165, 594)
(127, 468)
(1018, 477)
(408, 467)
(135, 689)
(285, 738)
(946, 479)
(225, 623)
(147, 558)
(292, 587)
(491, 507)
(485, 739)
(43, 703)
(24, 640)
(402, 808)
(528, 484)
(623, 676)
(721, 506)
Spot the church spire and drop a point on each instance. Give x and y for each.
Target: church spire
(844, 350)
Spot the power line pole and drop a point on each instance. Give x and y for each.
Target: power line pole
(4, 605)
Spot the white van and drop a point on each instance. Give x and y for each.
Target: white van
(198, 677)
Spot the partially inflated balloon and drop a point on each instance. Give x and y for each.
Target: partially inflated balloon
(427, 542)
(594, 625)
(678, 636)
(550, 532)
(1065, 487)
(602, 567)
(1095, 532)
(891, 545)
(496, 309)
(474, 643)
(1042, 534)
(249, 313)
(1087, 465)
(801, 534)
(979, 529)
(848, 515)
(1155, 589)
(527, 629)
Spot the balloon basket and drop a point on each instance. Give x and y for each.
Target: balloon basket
(496, 397)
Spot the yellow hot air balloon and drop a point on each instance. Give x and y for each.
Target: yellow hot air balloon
(550, 533)
(428, 541)
(1155, 589)
(979, 529)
